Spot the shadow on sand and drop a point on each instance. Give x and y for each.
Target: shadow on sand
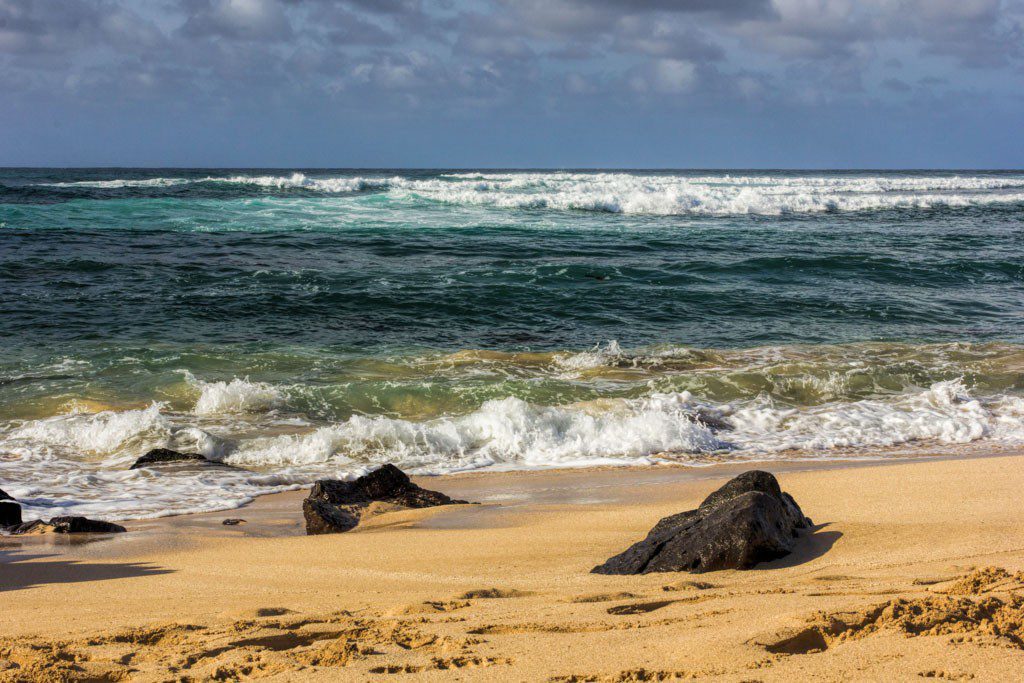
(811, 546)
(18, 571)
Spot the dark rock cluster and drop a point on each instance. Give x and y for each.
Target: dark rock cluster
(10, 522)
(747, 521)
(335, 506)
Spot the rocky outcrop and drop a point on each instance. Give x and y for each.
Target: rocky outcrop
(67, 525)
(10, 510)
(335, 506)
(747, 521)
(166, 456)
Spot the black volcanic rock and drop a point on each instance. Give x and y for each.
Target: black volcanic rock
(335, 506)
(82, 525)
(10, 510)
(747, 521)
(163, 456)
(68, 525)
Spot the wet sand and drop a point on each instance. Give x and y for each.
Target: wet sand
(502, 590)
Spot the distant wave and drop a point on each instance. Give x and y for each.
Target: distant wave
(640, 194)
(667, 195)
(118, 183)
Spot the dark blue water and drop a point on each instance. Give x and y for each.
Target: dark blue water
(430, 260)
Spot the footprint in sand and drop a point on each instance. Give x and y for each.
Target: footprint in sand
(639, 607)
(965, 609)
(493, 593)
(603, 597)
(688, 586)
(432, 606)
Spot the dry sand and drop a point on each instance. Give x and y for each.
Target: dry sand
(890, 586)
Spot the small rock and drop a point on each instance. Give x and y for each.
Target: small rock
(36, 526)
(10, 510)
(334, 506)
(747, 521)
(233, 521)
(163, 456)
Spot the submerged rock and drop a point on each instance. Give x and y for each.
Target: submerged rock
(164, 456)
(747, 521)
(334, 506)
(710, 419)
(10, 510)
(67, 525)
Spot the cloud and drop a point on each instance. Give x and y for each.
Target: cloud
(667, 76)
(54, 27)
(662, 37)
(975, 32)
(237, 20)
(525, 52)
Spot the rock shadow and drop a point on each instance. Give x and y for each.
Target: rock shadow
(17, 572)
(812, 545)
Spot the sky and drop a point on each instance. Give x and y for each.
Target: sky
(513, 83)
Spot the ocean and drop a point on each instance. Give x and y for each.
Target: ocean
(301, 324)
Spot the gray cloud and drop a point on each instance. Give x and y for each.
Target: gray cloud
(436, 52)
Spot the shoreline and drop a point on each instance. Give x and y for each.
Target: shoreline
(501, 590)
(493, 485)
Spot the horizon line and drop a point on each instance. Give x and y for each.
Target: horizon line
(526, 168)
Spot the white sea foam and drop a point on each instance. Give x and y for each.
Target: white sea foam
(117, 183)
(653, 194)
(513, 433)
(301, 181)
(236, 396)
(717, 195)
(78, 463)
(599, 356)
(945, 413)
(97, 433)
(507, 432)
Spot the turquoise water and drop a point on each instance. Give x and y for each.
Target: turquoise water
(302, 323)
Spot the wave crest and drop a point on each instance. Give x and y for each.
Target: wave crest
(236, 396)
(507, 432)
(659, 194)
(98, 433)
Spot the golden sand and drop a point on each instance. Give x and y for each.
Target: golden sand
(911, 574)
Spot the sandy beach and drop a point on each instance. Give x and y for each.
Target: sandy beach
(502, 590)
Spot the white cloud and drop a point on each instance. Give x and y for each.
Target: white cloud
(668, 76)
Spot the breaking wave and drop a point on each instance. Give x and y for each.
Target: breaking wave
(236, 396)
(660, 194)
(511, 433)
(80, 461)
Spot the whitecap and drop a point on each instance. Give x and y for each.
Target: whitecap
(235, 396)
